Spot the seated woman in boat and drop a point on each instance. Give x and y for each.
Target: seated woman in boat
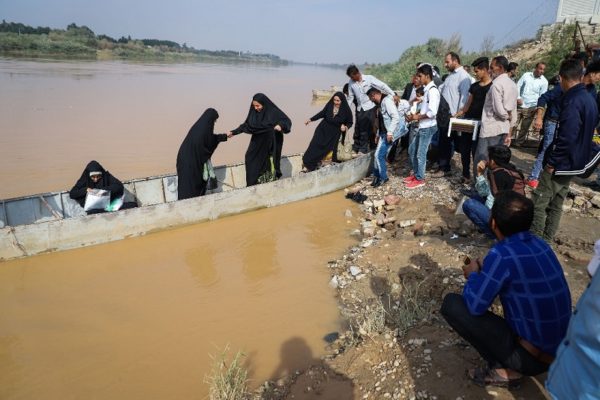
(194, 169)
(94, 176)
(336, 119)
(267, 124)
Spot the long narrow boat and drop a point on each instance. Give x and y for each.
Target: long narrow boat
(50, 222)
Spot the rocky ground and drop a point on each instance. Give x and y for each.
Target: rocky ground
(411, 245)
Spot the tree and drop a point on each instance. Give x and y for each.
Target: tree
(454, 43)
(487, 45)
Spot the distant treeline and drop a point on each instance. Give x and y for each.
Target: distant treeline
(17, 39)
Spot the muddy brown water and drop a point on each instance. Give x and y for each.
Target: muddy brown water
(57, 116)
(138, 318)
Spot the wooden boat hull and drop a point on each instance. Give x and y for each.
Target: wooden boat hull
(159, 210)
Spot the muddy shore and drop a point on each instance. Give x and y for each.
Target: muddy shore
(390, 285)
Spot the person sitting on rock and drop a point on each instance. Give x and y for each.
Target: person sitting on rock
(523, 271)
(502, 175)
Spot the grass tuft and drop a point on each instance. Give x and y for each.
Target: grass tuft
(228, 380)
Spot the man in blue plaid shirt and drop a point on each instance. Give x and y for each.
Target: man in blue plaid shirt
(523, 271)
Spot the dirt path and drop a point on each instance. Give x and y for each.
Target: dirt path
(390, 287)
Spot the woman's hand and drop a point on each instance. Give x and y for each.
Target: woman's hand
(277, 128)
(343, 128)
(308, 121)
(229, 135)
(390, 138)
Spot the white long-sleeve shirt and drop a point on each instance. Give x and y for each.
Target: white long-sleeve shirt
(430, 106)
(359, 91)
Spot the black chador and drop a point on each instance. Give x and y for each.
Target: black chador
(328, 132)
(106, 182)
(263, 156)
(194, 153)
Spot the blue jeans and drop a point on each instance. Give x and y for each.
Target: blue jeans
(549, 129)
(417, 150)
(380, 167)
(476, 210)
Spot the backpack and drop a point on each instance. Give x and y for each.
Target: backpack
(443, 115)
(519, 181)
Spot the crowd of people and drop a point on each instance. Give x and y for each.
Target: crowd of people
(537, 330)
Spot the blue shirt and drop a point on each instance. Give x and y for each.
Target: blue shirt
(523, 270)
(551, 101)
(575, 374)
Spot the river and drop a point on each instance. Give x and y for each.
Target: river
(57, 116)
(139, 318)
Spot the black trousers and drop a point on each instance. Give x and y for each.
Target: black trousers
(465, 145)
(445, 148)
(278, 146)
(491, 336)
(363, 131)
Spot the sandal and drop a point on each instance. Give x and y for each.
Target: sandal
(490, 377)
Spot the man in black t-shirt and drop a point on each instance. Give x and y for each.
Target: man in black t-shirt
(473, 110)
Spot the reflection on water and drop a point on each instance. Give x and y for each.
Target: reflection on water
(136, 319)
(57, 116)
(201, 262)
(259, 256)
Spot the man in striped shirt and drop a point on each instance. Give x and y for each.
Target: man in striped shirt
(523, 271)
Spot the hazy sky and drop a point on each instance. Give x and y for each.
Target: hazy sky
(338, 31)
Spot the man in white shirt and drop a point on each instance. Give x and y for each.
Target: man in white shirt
(456, 93)
(530, 87)
(358, 86)
(417, 150)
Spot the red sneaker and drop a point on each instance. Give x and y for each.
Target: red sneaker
(532, 183)
(409, 179)
(415, 184)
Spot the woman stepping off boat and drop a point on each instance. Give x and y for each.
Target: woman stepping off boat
(267, 124)
(336, 119)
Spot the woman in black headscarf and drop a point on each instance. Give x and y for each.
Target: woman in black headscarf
(267, 124)
(193, 167)
(95, 177)
(337, 118)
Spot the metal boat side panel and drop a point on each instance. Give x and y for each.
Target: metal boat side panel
(238, 176)
(32, 210)
(71, 208)
(3, 221)
(129, 191)
(170, 188)
(149, 192)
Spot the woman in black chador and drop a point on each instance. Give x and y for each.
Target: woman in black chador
(193, 159)
(95, 177)
(267, 124)
(337, 119)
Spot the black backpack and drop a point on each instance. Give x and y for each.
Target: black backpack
(443, 115)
